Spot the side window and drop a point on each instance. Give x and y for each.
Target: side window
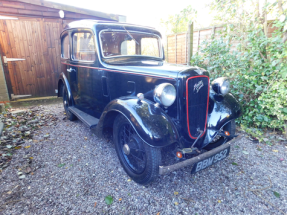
(65, 47)
(83, 46)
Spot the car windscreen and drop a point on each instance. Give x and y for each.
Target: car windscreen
(117, 43)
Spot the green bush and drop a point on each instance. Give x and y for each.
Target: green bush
(258, 74)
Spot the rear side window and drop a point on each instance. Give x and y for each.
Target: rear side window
(83, 46)
(65, 47)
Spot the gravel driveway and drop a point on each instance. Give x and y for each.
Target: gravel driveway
(74, 171)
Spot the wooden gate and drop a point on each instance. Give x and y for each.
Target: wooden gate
(37, 42)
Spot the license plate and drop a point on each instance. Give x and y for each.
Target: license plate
(210, 161)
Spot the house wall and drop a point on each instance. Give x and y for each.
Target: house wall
(35, 37)
(3, 89)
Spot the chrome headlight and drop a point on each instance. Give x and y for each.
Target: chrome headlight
(165, 94)
(221, 86)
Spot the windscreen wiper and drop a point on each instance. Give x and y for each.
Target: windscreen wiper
(131, 35)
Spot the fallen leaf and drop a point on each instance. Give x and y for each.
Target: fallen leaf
(85, 138)
(32, 173)
(31, 158)
(61, 164)
(66, 167)
(219, 201)
(276, 194)
(120, 199)
(245, 152)
(259, 149)
(95, 204)
(274, 150)
(158, 213)
(18, 147)
(27, 147)
(176, 203)
(9, 146)
(281, 159)
(129, 179)
(109, 200)
(29, 188)
(233, 163)
(9, 192)
(237, 147)
(175, 193)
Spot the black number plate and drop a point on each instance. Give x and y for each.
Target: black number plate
(210, 161)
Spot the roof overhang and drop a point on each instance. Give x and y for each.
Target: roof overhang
(54, 5)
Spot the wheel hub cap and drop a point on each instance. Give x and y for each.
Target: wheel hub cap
(126, 149)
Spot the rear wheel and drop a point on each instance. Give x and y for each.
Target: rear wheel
(69, 114)
(139, 160)
(219, 140)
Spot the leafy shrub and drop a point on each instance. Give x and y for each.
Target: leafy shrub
(257, 70)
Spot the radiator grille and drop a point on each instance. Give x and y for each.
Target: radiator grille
(197, 94)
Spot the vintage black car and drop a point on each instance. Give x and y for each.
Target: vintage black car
(115, 76)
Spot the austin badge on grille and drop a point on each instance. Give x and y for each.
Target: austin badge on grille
(198, 86)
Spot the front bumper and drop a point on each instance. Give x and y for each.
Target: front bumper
(191, 161)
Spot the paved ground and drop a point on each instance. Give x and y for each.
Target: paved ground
(73, 171)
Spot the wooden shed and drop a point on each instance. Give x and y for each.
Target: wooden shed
(30, 44)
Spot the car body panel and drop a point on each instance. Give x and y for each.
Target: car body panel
(63, 80)
(151, 123)
(221, 111)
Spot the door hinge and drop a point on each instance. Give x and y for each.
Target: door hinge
(6, 60)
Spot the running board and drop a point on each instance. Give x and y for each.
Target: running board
(84, 117)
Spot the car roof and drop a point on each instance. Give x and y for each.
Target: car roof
(88, 23)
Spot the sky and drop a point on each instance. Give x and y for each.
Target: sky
(144, 12)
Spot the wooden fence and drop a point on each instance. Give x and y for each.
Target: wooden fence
(178, 45)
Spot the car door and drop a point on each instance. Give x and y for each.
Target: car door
(69, 69)
(92, 97)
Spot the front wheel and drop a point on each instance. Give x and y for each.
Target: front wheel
(139, 160)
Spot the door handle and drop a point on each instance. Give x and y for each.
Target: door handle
(71, 70)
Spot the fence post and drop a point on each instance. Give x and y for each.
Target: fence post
(175, 48)
(166, 49)
(198, 40)
(190, 43)
(213, 32)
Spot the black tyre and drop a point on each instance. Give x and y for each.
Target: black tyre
(219, 140)
(69, 115)
(140, 161)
